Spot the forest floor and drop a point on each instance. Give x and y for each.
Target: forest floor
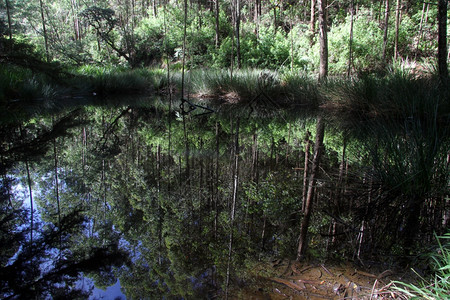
(285, 279)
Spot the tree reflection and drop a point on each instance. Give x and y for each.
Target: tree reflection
(133, 193)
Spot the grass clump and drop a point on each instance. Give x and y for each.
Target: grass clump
(438, 287)
(112, 80)
(255, 86)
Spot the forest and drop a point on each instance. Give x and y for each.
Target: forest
(230, 149)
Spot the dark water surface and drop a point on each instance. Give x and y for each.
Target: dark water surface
(171, 205)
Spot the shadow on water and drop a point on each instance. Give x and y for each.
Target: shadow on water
(174, 205)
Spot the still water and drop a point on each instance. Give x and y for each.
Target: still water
(161, 204)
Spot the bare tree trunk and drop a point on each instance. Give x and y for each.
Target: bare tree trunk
(257, 16)
(216, 16)
(323, 39)
(275, 18)
(44, 31)
(76, 20)
(8, 13)
(386, 26)
(238, 37)
(302, 244)
(397, 28)
(155, 10)
(420, 29)
(312, 21)
(442, 41)
(350, 42)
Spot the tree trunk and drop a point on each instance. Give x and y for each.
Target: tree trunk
(350, 43)
(44, 31)
(323, 65)
(76, 20)
(442, 40)
(397, 28)
(216, 16)
(275, 18)
(302, 244)
(312, 22)
(8, 13)
(237, 28)
(257, 16)
(419, 37)
(155, 10)
(386, 26)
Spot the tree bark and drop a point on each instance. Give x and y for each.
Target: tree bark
(8, 13)
(320, 130)
(312, 21)
(442, 41)
(237, 28)
(323, 39)
(350, 43)
(44, 31)
(385, 36)
(216, 16)
(257, 16)
(419, 37)
(76, 20)
(397, 28)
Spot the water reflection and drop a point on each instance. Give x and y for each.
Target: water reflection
(162, 184)
(170, 206)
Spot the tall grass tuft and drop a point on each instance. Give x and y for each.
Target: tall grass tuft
(301, 90)
(118, 80)
(244, 84)
(438, 287)
(256, 87)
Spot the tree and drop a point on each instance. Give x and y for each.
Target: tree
(397, 28)
(442, 40)
(8, 13)
(350, 42)
(323, 40)
(236, 13)
(44, 30)
(103, 21)
(386, 26)
(216, 21)
(312, 22)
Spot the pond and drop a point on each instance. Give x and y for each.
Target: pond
(206, 203)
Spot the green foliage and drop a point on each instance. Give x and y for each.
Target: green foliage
(367, 44)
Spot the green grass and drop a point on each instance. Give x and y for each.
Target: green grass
(261, 87)
(438, 286)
